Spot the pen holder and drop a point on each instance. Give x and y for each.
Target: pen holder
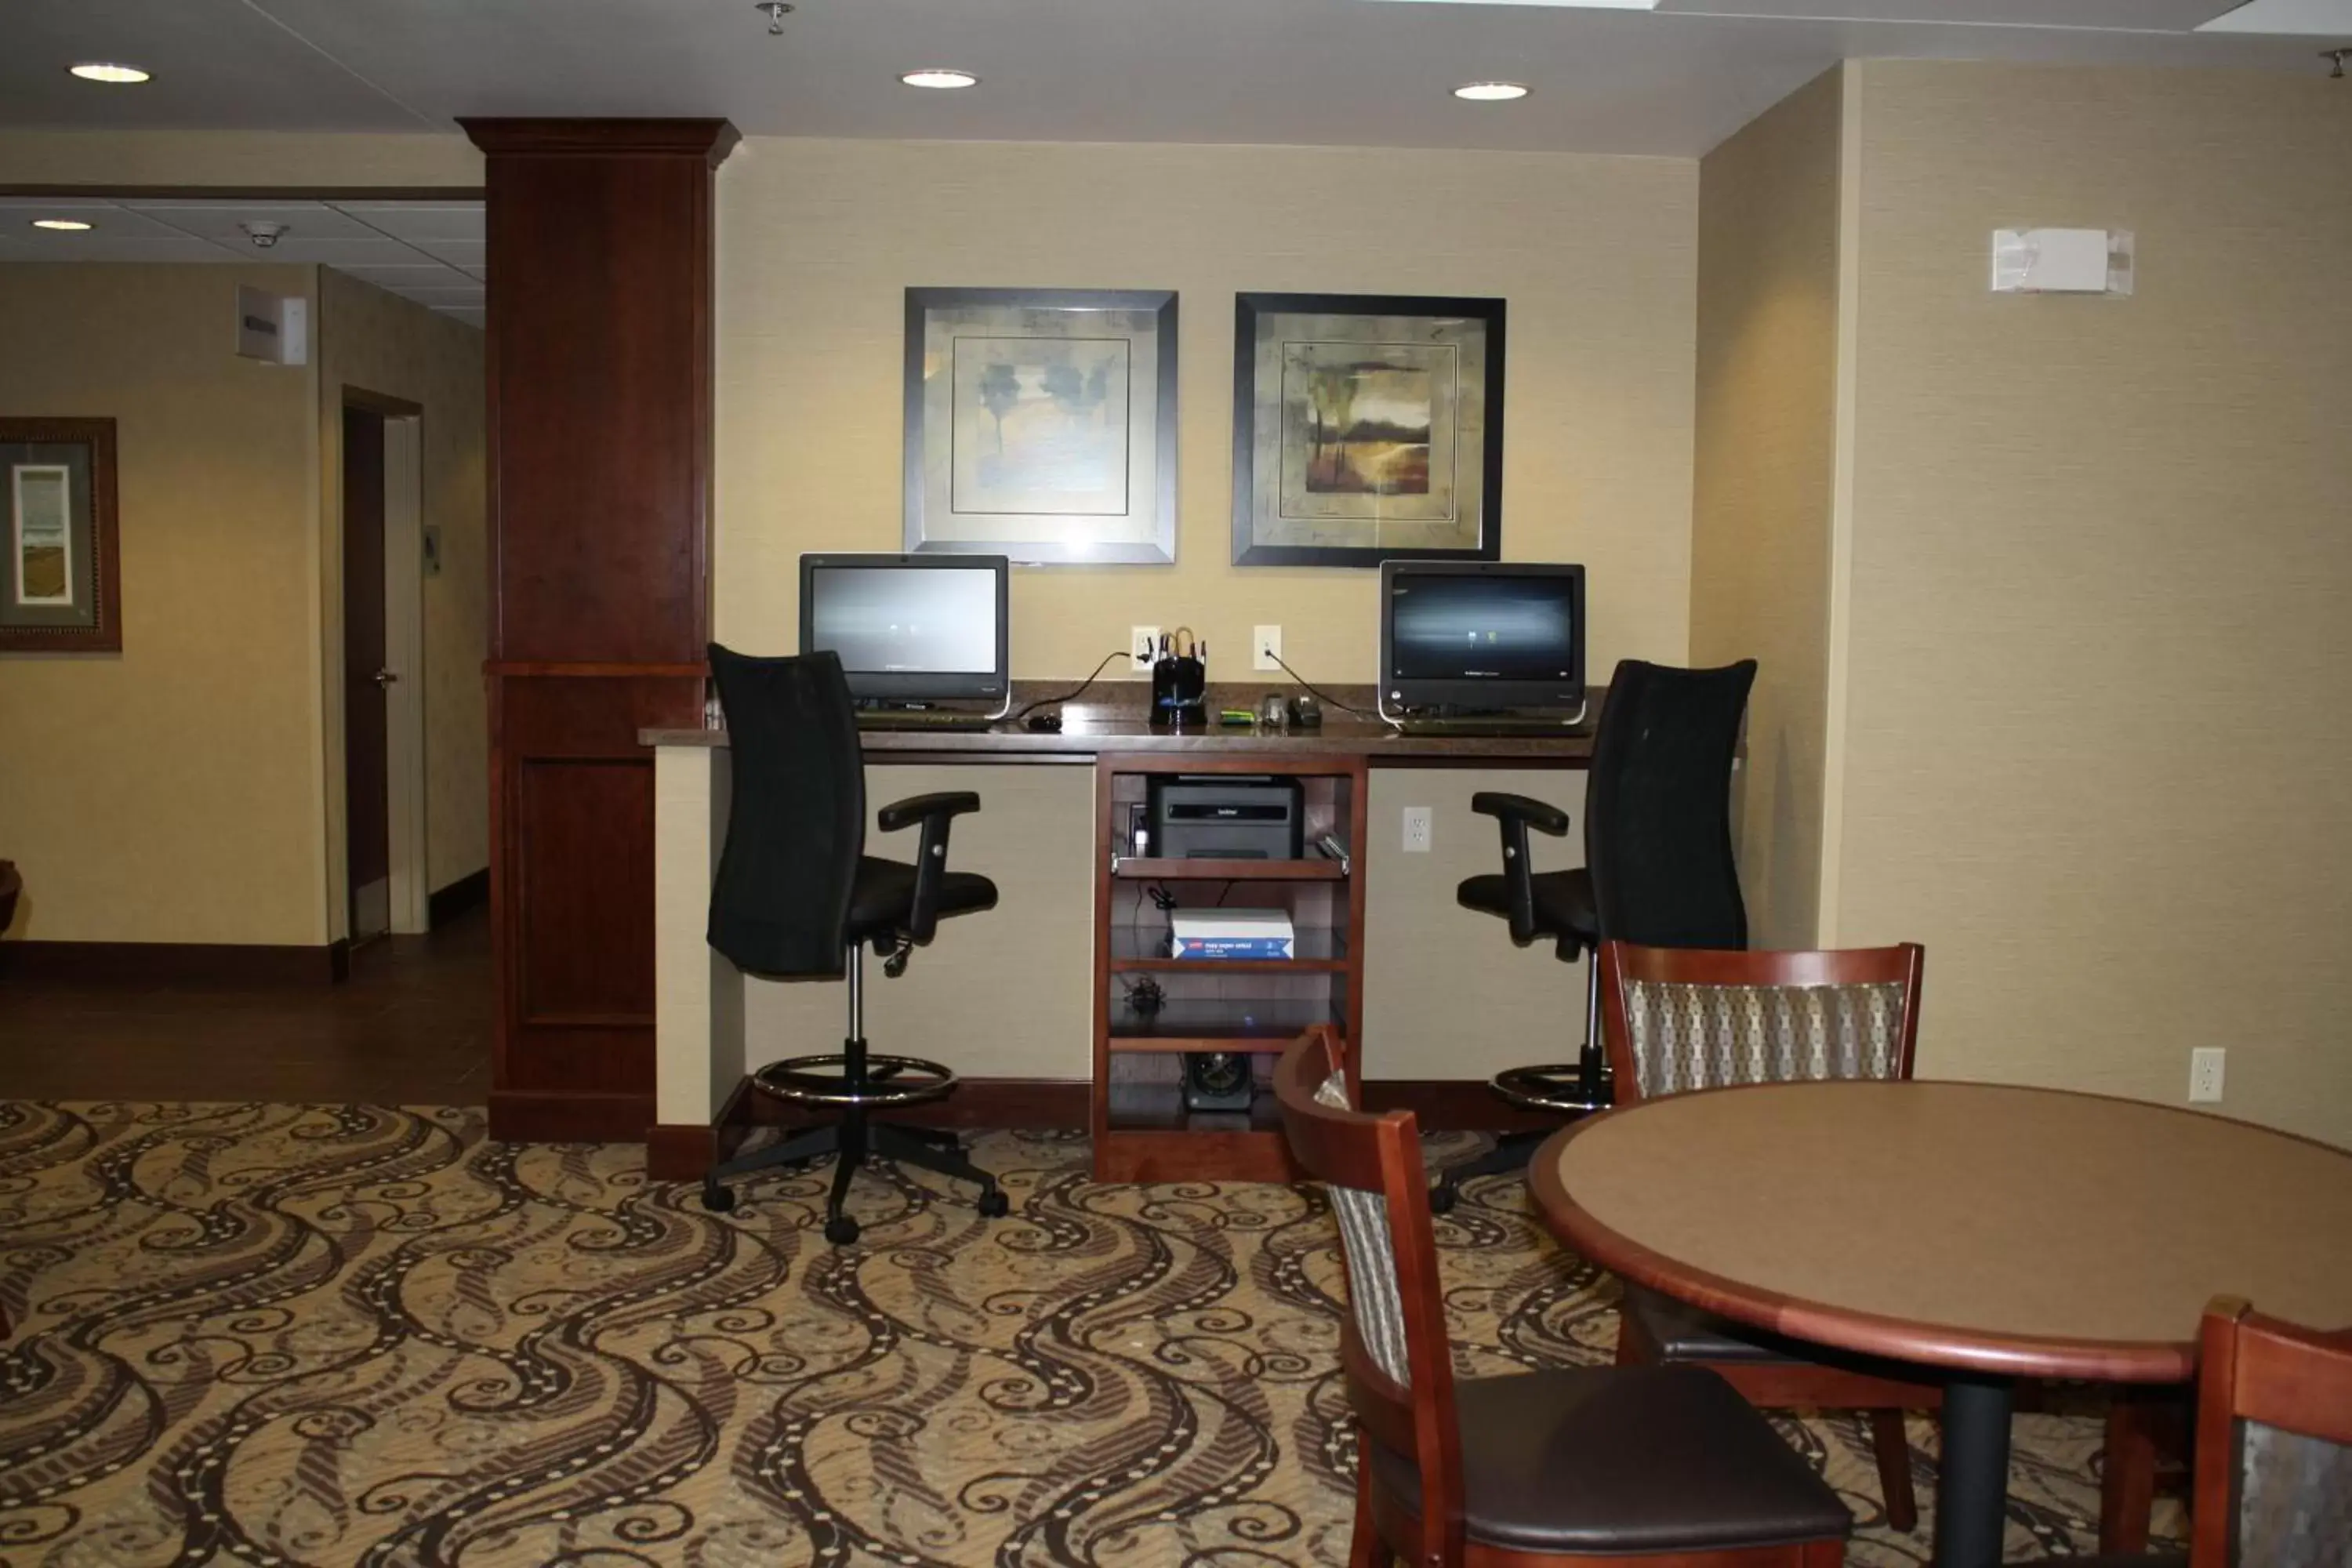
(1180, 686)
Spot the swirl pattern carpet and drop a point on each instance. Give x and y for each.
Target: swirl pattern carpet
(272, 1334)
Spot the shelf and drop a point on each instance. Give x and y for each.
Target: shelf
(1159, 1108)
(1126, 868)
(1188, 1024)
(1150, 1137)
(1321, 950)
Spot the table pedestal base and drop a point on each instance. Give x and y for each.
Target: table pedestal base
(1973, 1487)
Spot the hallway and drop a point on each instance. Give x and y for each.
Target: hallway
(412, 1027)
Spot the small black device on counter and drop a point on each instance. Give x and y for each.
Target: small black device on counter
(1217, 1081)
(1306, 713)
(1226, 816)
(1180, 682)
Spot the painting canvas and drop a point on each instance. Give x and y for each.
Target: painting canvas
(1041, 423)
(1366, 429)
(58, 587)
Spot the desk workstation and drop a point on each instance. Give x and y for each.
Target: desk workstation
(1034, 1005)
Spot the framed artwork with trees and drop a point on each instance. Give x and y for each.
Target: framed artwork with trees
(1041, 423)
(1367, 428)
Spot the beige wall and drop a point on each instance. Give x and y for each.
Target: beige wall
(2098, 735)
(239, 160)
(818, 240)
(1767, 452)
(171, 792)
(379, 343)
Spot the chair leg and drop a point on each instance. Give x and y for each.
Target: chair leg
(1893, 1446)
(1365, 1550)
(2127, 1488)
(1512, 1151)
(908, 1148)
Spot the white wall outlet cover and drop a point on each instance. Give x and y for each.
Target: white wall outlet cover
(1265, 645)
(2205, 1071)
(2063, 262)
(1142, 647)
(1417, 830)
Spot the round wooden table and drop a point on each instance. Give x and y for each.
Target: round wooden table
(1989, 1231)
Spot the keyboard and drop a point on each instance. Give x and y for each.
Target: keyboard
(1491, 724)
(934, 718)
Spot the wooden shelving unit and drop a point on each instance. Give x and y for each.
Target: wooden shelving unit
(1143, 1130)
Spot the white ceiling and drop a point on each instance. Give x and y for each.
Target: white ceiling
(431, 252)
(1673, 81)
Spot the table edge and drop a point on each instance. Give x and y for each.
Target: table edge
(1819, 1323)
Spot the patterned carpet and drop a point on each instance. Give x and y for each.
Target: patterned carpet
(271, 1334)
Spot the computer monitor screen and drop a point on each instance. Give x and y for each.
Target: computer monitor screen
(1482, 634)
(909, 627)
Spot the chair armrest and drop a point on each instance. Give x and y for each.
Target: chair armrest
(1538, 815)
(937, 813)
(1514, 813)
(916, 808)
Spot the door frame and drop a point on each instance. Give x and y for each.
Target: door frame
(404, 652)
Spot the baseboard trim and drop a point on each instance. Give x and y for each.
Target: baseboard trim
(208, 963)
(682, 1151)
(532, 1116)
(1454, 1105)
(446, 904)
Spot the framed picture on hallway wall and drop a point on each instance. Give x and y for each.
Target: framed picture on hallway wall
(59, 587)
(1367, 428)
(1041, 423)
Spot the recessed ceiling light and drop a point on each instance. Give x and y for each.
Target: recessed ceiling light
(1490, 91)
(108, 70)
(939, 78)
(64, 225)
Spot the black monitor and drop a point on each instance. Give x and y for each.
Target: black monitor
(910, 628)
(1481, 635)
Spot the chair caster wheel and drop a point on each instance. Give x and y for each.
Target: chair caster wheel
(1442, 1197)
(841, 1230)
(994, 1204)
(717, 1199)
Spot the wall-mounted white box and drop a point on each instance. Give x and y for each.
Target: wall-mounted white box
(2061, 261)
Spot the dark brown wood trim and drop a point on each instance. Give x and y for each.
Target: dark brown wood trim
(467, 892)
(381, 402)
(126, 962)
(592, 670)
(709, 138)
(680, 1150)
(1821, 1323)
(527, 1116)
(1453, 1105)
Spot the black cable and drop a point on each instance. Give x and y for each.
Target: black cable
(1317, 692)
(1075, 693)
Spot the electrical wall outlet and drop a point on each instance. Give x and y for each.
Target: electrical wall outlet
(1265, 646)
(2205, 1075)
(1143, 647)
(1416, 829)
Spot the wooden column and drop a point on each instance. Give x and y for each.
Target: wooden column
(600, 409)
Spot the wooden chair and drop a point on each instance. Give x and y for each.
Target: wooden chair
(1660, 1467)
(2272, 1486)
(1680, 1018)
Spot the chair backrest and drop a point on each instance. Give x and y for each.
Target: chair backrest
(1657, 811)
(2274, 1442)
(796, 826)
(1685, 1019)
(1393, 1346)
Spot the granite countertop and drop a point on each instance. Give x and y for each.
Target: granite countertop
(1113, 717)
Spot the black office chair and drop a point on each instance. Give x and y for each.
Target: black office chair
(797, 897)
(1658, 867)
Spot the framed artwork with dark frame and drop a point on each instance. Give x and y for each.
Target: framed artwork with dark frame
(1367, 428)
(61, 587)
(1041, 423)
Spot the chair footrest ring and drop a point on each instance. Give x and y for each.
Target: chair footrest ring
(1553, 1086)
(824, 1080)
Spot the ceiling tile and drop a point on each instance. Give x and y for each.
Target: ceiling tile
(2298, 18)
(415, 221)
(430, 295)
(471, 317)
(100, 247)
(423, 274)
(104, 219)
(467, 253)
(343, 252)
(223, 221)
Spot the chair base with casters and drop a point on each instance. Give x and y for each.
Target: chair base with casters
(857, 1084)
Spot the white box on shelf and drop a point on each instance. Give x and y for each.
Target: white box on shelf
(1232, 934)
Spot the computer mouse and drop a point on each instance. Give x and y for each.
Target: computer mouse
(1044, 723)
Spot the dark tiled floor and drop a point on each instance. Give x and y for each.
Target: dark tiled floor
(412, 1027)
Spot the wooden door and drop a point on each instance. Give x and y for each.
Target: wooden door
(367, 815)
